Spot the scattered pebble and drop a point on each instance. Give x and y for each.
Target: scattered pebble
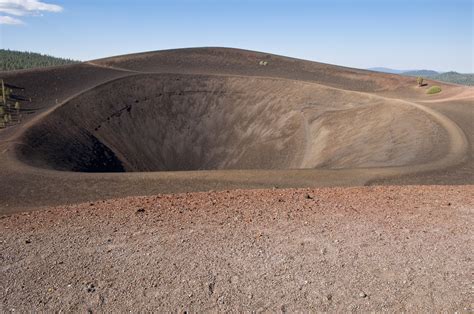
(90, 288)
(211, 287)
(159, 235)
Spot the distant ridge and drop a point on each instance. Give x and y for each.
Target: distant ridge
(449, 77)
(455, 77)
(18, 60)
(421, 73)
(386, 70)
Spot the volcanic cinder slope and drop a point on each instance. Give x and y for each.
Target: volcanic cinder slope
(292, 123)
(131, 136)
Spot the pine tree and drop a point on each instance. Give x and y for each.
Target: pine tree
(17, 108)
(4, 97)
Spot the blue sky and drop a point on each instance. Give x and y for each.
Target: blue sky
(404, 34)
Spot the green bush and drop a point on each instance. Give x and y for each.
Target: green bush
(434, 90)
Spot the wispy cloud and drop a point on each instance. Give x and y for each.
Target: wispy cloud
(23, 8)
(8, 20)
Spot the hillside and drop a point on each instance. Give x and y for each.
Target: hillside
(18, 60)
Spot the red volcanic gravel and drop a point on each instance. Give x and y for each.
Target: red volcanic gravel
(403, 248)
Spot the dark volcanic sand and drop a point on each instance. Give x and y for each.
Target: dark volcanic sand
(292, 123)
(331, 249)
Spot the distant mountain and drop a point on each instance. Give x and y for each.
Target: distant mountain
(386, 70)
(17, 60)
(427, 73)
(455, 77)
(449, 77)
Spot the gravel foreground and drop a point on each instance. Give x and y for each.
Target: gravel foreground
(331, 249)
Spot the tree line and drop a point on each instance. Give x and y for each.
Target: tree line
(17, 60)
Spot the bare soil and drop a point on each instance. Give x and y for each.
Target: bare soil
(243, 185)
(330, 249)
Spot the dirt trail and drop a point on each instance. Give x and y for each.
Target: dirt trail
(111, 67)
(458, 144)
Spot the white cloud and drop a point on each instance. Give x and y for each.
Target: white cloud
(24, 7)
(8, 20)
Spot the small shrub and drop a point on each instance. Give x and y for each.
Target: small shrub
(419, 80)
(434, 90)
